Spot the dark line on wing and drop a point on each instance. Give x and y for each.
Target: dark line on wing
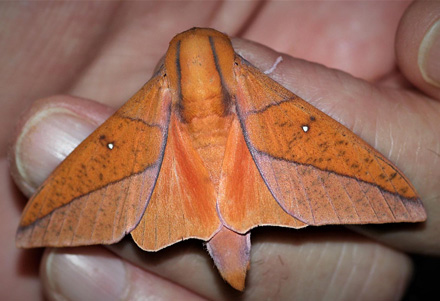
(254, 150)
(101, 187)
(397, 171)
(122, 205)
(155, 125)
(251, 112)
(289, 99)
(161, 156)
(291, 96)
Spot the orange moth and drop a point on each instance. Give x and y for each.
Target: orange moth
(210, 148)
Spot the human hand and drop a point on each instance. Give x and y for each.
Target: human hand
(327, 261)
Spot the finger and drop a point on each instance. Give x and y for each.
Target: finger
(94, 273)
(418, 46)
(287, 264)
(335, 257)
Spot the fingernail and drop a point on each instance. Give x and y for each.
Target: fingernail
(85, 276)
(46, 139)
(429, 55)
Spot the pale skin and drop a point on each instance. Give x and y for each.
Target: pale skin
(397, 112)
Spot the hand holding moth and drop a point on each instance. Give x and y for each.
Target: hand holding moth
(281, 259)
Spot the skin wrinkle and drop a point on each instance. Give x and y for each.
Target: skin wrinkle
(366, 284)
(358, 123)
(404, 144)
(433, 126)
(353, 271)
(417, 156)
(391, 147)
(317, 262)
(306, 262)
(86, 67)
(420, 153)
(348, 276)
(437, 153)
(398, 151)
(376, 136)
(295, 285)
(436, 149)
(130, 292)
(329, 289)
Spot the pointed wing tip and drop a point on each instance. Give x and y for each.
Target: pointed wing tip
(231, 254)
(417, 210)
(19, 244)
(236, 279)
(418, 215)
(21, 239)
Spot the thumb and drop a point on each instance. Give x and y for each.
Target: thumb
(418, 46)
(38, 149)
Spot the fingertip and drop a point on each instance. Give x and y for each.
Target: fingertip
(418, 46)
(429, 55)
(94, 273)
(47, 133)
(90, 273)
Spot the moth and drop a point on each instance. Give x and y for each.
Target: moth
(208, 149)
